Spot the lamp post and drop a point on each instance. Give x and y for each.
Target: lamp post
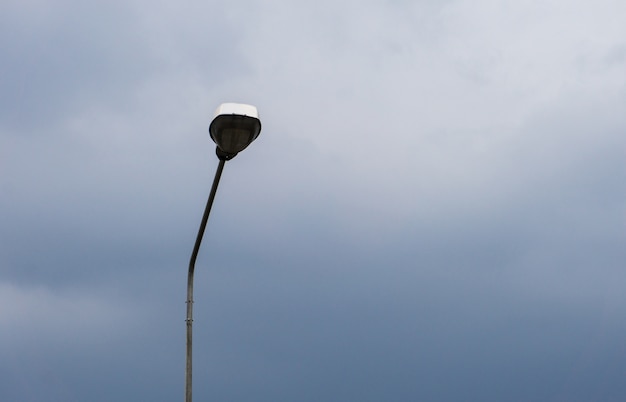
(234, 127)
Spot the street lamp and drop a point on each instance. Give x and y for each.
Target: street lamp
(234, 127)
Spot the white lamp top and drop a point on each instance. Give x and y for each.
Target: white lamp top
(240, 109)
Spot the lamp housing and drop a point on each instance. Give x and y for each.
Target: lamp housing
(234, 127)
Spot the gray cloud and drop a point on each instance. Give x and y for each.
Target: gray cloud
(434, 209)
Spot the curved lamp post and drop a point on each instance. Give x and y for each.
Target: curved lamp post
(234, 127)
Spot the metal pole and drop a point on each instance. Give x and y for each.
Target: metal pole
(192, 263)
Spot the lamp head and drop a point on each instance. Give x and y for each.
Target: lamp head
(234, 127)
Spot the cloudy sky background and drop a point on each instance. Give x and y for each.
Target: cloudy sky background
(435, 209)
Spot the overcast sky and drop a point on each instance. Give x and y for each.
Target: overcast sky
(435, 209)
